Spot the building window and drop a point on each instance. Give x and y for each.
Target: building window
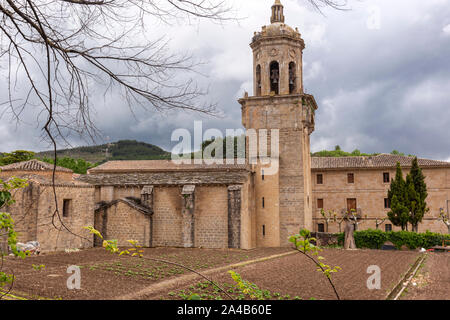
(263, 202)
(67, 203)
(387, 203)
(388, 227)
(319, 203)
(264, 230)
(320, 178)
(351, 205)
(320, 227)
(386, 178)
(351, 178)
(262, 175)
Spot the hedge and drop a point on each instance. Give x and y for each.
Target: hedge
(374, 239)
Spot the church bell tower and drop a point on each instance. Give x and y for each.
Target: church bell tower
(283, 200)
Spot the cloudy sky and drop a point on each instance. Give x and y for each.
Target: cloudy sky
(380, 74)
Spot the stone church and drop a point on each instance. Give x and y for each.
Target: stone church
(162, 203)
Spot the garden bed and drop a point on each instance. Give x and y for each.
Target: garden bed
(108, 276)
(294, 277)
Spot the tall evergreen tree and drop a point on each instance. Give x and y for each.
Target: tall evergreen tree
(416, 195)
(399, 214)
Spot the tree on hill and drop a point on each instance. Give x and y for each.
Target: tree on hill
(224, 141)
(79, 166)
(397, 195)
(16, 156)
(338, 152)
(416, 195)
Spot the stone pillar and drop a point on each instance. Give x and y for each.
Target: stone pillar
(234, 216)
(147, 200)
(147, 197)
(187, 212)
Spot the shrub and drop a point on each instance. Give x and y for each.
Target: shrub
(374, 239)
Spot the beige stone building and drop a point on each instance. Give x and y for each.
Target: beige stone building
(35, 214)
(362, 183)
(162, 203)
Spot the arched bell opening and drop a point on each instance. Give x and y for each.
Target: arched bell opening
(275, 77)
(292, 78)
(258, 80)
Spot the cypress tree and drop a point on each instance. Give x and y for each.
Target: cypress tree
(416, 195)
(399, 214)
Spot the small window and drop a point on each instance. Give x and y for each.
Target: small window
(66, 207)
(388, 227)
(319, 203)
(262, 175)
(320, 178)
(264, 230)
(321, 227)
(263, 202)
(387, 203)
(351, 178)
(386, 178)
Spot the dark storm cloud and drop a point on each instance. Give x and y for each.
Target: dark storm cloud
(378, 89)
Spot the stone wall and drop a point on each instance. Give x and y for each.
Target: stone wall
(81, 214)
(167, 217)
(3, 242)
(199, 216)
(211, 217)
(122, 222)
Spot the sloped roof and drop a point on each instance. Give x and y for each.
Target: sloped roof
(372, 162)
(159, 166)
(33, 165)
(132, 202)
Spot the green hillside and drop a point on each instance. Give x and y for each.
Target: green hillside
(121, 150)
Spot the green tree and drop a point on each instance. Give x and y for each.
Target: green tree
(16, 156)
(397, 153)
(397, 195)
(416, 195)
(79, 166)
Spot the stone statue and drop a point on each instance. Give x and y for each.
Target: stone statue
(349, 240)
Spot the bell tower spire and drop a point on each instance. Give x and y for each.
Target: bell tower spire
(277, 12)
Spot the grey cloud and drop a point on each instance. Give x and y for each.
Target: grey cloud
(377, 90)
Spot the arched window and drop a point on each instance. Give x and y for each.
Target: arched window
(274, 77)
(292, 78)
(258, 80)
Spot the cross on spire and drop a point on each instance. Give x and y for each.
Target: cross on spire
(277, 12)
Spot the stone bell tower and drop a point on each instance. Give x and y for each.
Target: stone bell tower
(283, 199)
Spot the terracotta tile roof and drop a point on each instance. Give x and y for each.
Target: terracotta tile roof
(159, 166)
(33, 165)
(380, 161)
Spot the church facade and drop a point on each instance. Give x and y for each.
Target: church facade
(162, 203)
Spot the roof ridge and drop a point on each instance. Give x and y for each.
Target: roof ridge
(33, 165)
